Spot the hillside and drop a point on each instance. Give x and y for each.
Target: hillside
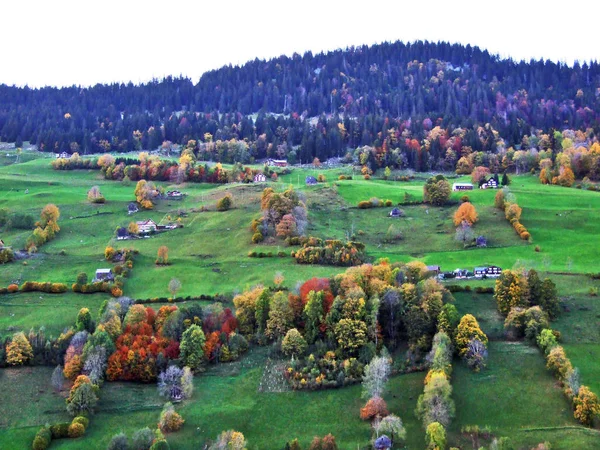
(387, 95)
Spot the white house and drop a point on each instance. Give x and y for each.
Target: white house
(462, 187)
(174, 195)
(487, 271)
(103, 275)
(489, 184)
(276, 162)
(146, 226)
(260, 178)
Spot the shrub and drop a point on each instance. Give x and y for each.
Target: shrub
(321, 178)
(388, 203)
(42, 439)
(169, 419)
(82, 420)
(365, 205)
(465, 199)
(76, 430)
(587, 407)
(60, 430)
(375, 407)
(558, 362)
(257, 237)
(225, 203)
(119, 442)
(12, 288)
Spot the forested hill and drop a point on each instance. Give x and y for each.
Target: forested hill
(389, 95)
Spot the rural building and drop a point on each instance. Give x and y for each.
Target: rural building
(488, 184)
(487, 271)
(462, 187)
(146, 226)
(481, 241)
(122, 233)
(434, 269)
(63, 155)
(461, 273)
(276, 162)
(310, 181)
(396, 212)
(260, 178)
(132, 208)
(103, 275)
(174, 195)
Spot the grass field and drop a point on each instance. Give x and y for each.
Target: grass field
(515, 395)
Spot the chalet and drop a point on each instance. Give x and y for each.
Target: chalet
(462, 273)
(174, 195)
(63, 155)
(434, 269)
(276, 162)
(462, 187)
(396, 212)
(122, 233)
(492, 183)
(310, 181)
(487, 271)
(146, 226)
(103, 275)
(260, 178)
(132, 208)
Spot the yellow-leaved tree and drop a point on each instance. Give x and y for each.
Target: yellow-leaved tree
(465, 212)
(19, 351)
(468, 329)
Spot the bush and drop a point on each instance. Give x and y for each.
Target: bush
(76, 430)
(257, 237)
(225, 203)
(42, 439)
(388, 203)
(375, 407)
(60, 430)
(169, 419)
(82, 420)
(465, 199)
(365, 205)
(118, 442)
(12, 288)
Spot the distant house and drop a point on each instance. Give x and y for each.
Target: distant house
(396, 212)
(481, 241)
(174, 195)
(434, 269)
(146, 226)
(260, 178)
(310, 181)
(103, 275)
(132, 208)
(122, 233)
(462, 187)
(63, 155)
(488, 184)
(276, 162)
(487, 271)
(461, 273)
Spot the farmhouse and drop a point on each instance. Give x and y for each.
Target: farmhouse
(310, 181)
(487, 271)
(276, 162)
(462, 187)
(396, 212)
(488, 184)
(103, 275)
(122, 233)
(260, 178)
(461, 273)
(63, 155)
(146, 226)
(174, 195)
(132, 208)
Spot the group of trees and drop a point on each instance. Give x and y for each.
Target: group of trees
(283, 214)
(515, 289)
(391, 96)
(506, 201)
(46, 228)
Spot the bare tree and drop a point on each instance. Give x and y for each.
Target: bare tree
(174, 286)
(464, 233)
(375, 377)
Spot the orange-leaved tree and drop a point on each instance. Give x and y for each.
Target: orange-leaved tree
(465, 212)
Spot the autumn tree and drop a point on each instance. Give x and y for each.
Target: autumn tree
(464, 234)
(436, 404)
(19, 351)
(286, 227)
(350, 335)
(281, 316)
(229, 440)
(95, 196)
(375, 377)
(436, 436)
(499, 200)
(511, 291)
(465, 213)
(479, 173)
(162, 256)
(133, 228)
(314, 316)
(375, 407)
(191, 347)
(293, 343)
(436, 191)
(549, 300)
(512, 212)
(145, 192)
(587, 407)
(468, 329)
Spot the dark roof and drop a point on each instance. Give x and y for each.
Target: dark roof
(122, 231)
(311, 180)
(132, 206)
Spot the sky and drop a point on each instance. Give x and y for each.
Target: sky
(84, 42)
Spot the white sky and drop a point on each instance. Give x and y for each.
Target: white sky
(65, 42)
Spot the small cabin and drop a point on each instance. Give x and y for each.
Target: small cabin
(63, 155)
(132, 208)
(487, 271)
(276, 162)
(481, 241)
(310, 181)
(174, 195)
(146, 226)
(434, 269)
(462, 187)
(461, 273)
(103, 275)
(396, 212)
(260, 178)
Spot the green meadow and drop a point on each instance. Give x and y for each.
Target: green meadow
(515, 396)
